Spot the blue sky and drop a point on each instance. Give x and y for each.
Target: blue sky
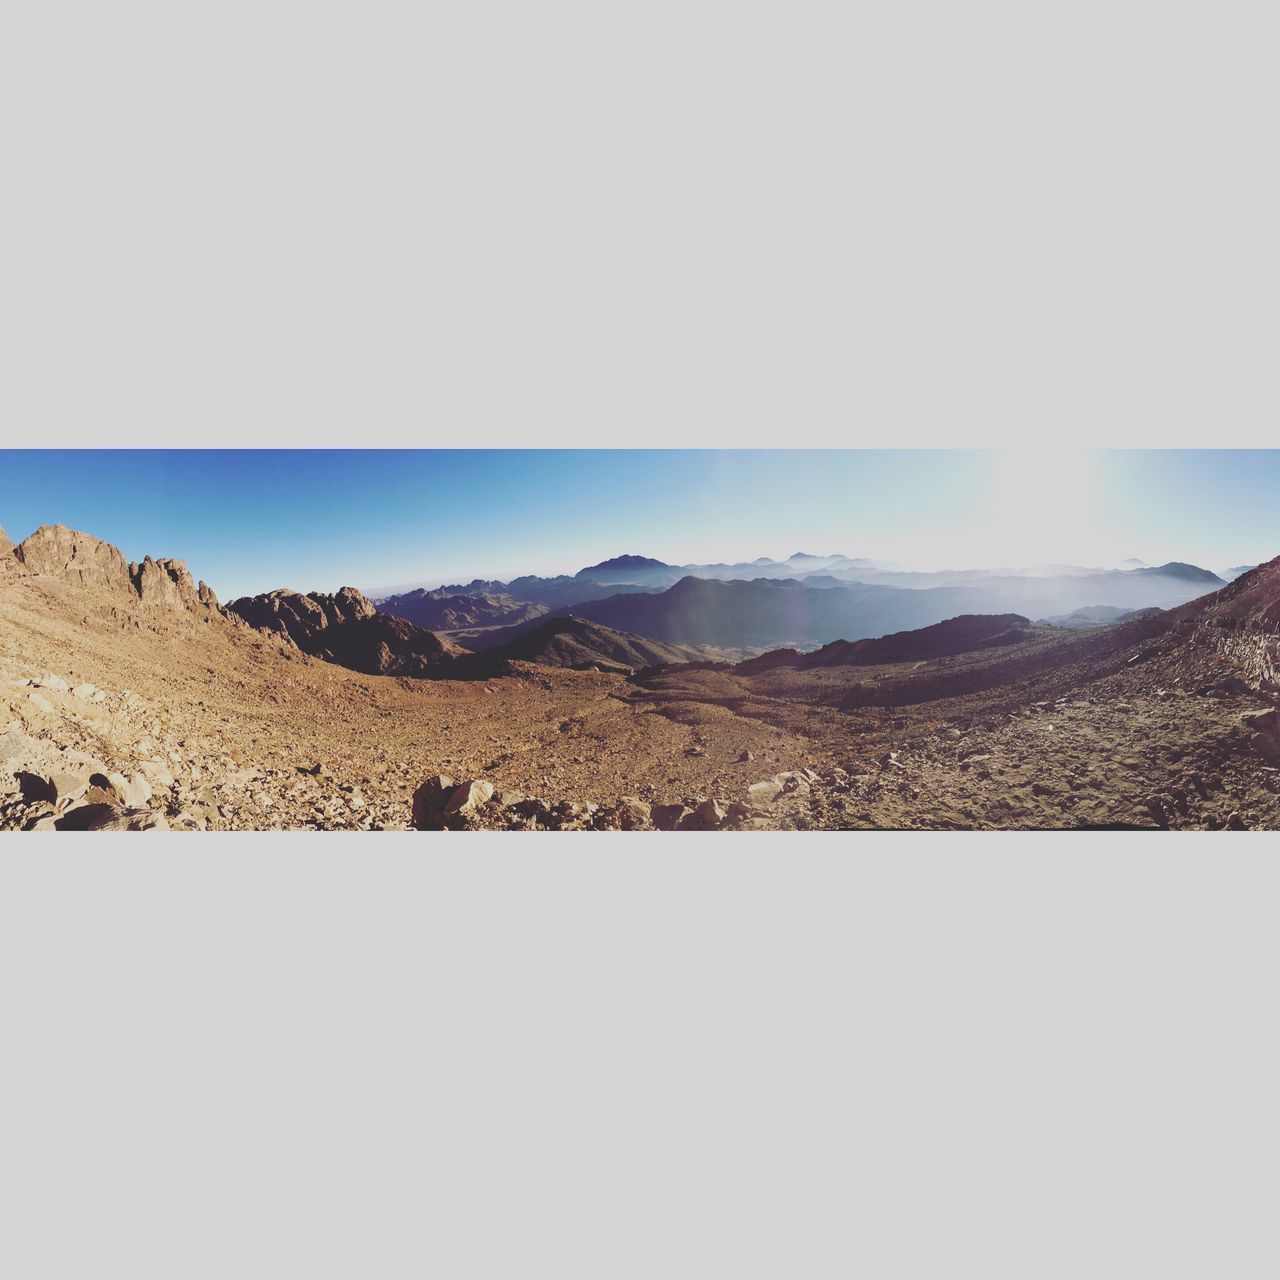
(250, 520)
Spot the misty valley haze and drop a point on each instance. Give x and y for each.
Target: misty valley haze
(804, 601)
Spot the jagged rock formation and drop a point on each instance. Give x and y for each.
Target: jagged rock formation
(346, 628)
(60, 552)
(169, 583)
(56, 551)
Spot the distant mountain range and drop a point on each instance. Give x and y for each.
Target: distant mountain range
(750, 605)
(816, 608)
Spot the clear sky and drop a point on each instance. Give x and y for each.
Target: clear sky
(250, 520)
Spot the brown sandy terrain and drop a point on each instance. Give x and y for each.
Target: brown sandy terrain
(178, 714)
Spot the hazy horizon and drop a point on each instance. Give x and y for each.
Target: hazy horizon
(248, 521)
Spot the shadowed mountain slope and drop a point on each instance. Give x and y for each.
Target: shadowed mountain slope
(943, 639)
(580, 644)
(774, 612)
(345, 628)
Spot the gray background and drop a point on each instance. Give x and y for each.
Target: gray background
(670, 224)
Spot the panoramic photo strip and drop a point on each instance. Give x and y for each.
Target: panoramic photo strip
(600, 640)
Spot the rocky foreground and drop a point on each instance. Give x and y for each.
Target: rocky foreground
(166, 782)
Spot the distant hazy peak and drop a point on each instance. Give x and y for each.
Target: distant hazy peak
(623, 562)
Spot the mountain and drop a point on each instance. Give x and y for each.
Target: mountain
(776, 612)
(943, 639)
(1097, 615)
(443, 611)
(624, 569)
(581, 644)
(528, 589)
(1184, 572)
(1230, 575)
(346, 628)
(1045, 590)
(56, 551)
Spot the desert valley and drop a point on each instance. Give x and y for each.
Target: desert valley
(660, 698)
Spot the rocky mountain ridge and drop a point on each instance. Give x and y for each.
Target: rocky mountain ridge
(58, 551)
(347, 629)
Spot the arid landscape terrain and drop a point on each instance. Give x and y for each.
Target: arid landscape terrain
(131, 699)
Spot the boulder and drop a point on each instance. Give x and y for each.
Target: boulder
(708, 816)
(66, 788)
(93, 817)
(147, 820)
(534, 810)
(156, 773)
(56, 683)
(467, 798)
(667, 817)
(84, 691)
(134, 792)
(763, 793)
(1266, 738)
(633, 814)
(791, 783)
(429, 802)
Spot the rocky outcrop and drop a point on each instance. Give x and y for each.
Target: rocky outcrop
(60, 552)
(347, 629)
(56, 551)
(169, 583)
